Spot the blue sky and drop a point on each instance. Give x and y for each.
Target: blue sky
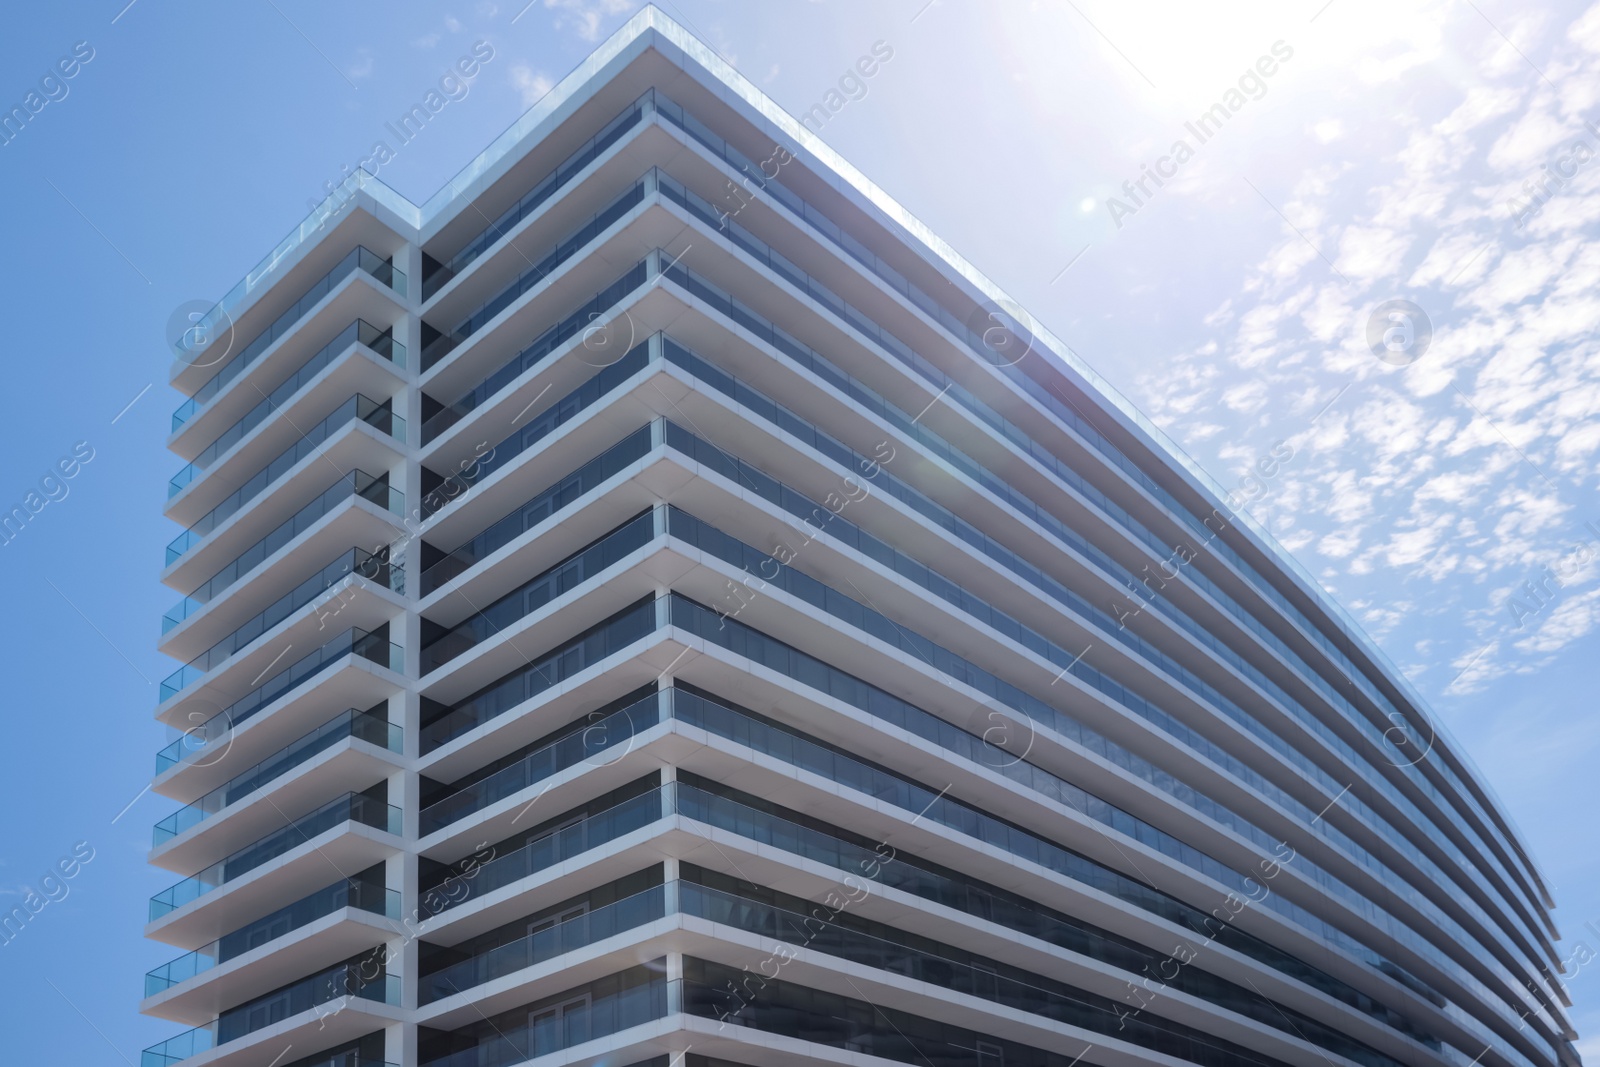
(1388, 155)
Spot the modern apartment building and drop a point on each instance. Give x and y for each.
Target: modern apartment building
(654, 604)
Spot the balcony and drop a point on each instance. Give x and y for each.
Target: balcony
(553, 667)
(977, 342)
(353, 567)
(359, 259)
(548, 421)
(540, 590)
(358, 408)
(357, 483)
(443, 343)
(355, 641)
(575, 933)
(196, 764)
(342, 980)
(879, 337)
(622, 1002)
(534, 353)
(372, 646)
(542, 853)
(440, 274)
(352, 724)
(875, 945)
(651, 105)
(591, 742)
(359, 332)
(346, 893)
(352, 807)
(1116, 692)
(535, 511)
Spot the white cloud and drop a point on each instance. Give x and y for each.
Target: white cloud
(531, 84)
(1462, 469)
(587, 17)
(362, 68)
(1371, 252)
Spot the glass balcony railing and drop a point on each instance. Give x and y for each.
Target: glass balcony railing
(543, 505)
(832, 304)
(1098, 616)
(885, 948)
(347, 724)
(892, 345)
(359, 977)
(586, 929)
(1405, 933)
(551, 669)
(745, 729)
(538, 591)
(346, 1058)
(535, 352)
(1068, 795)
(500, 1041)
(380, 416)
(339, 981)
(341, 1059)
(374, 647)
(372, 488)
(434, 278)
(360, 332)
(176, 1049)
(608, 1006)
(383, 270)
(342, 894)
(544, 852)
(352, 807)
(517, 771)
(1060, 656)
(440, 346)
(820, 844)
(592, 742)
(975, 341)
(658, 104)
(352, 567)
(556, 415)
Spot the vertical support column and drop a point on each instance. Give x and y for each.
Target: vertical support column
(401, 871)
(400, 1044)
(670, 874)
(669, 790)
(663, 607)
(409, 332)
(674, 983)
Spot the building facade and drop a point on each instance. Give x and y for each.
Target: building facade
(655, 604)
